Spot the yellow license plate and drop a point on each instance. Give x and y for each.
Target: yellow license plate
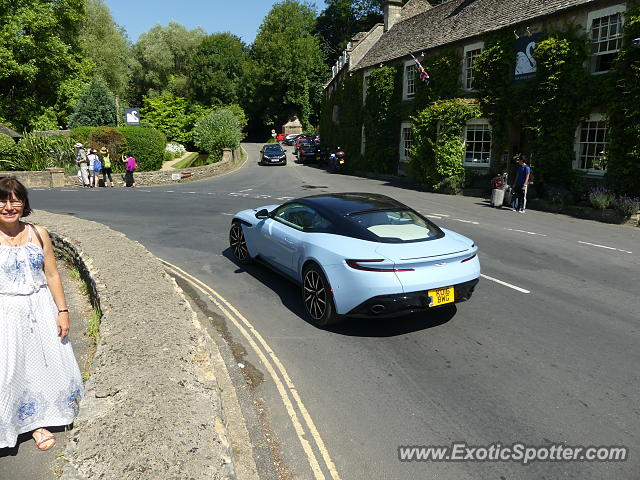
(440, 296)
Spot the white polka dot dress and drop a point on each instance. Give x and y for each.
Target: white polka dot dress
(40, 382)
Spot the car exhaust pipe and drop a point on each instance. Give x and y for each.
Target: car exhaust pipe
(376, 309)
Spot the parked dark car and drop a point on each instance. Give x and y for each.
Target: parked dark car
(301, 139)
(273, 154)
(290, 138)
(309, 152)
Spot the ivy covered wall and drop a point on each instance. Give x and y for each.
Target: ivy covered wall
(544, 112)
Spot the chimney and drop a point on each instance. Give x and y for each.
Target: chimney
(392, 13)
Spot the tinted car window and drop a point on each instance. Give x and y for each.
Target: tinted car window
(397, 226)
(301, 217)
(272, 149)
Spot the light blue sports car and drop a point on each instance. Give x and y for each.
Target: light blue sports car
(358, 254)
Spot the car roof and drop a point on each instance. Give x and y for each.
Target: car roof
(343, 204)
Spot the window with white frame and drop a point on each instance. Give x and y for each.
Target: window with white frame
(363, 142)
(406, 138)
(471, 52)
(591, 144)
(477, 143)
(409, 81)
(605, 27)
(365, 86)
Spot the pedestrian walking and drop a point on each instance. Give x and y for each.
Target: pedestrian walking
(130, 166)
(40, 382)
(83, 164)
(521, 183)
(105, 159)
(94, 168)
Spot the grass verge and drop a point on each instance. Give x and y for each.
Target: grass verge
(93, 327)
(186, 161)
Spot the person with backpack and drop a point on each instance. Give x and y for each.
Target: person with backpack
(523, 175)
(106, 166)
(129, 167)
(94, 168)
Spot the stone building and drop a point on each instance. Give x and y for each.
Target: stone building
(415, 27)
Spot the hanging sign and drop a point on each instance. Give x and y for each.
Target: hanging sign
(526, 66)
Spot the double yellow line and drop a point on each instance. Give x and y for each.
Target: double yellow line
(270, 360)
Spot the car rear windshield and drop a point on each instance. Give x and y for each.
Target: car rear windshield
(397, 226)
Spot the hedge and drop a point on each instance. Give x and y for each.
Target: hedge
(146, 144)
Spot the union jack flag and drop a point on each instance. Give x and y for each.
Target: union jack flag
(424, 75)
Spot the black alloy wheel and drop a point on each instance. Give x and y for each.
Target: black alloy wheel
(238, 244)
(317, 297)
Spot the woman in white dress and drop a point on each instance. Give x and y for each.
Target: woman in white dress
(40, 382)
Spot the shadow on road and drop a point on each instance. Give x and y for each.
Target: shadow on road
(289, 293)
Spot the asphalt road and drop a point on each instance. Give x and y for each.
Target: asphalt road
(558, 364)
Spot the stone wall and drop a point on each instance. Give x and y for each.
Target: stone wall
(55, 177)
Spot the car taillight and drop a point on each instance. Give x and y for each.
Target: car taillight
(356, 264)
(467, 259)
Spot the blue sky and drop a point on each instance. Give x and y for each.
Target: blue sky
(240, 17)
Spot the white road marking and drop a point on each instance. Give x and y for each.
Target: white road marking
(522, 290)
(169, 191)
(69, 190)
(231, 214)
(262, 196)
(285, 198)
(144, 190)
(189, 192)
(249, 332)
(439, 214)
(245, 190)
(466, 221)
(524, 231)
(236, 194)
(38, 189)
(433, 216)
(211, 193)
(604, 246)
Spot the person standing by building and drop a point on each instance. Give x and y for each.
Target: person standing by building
(83, 164)
(129, 167)
(106, 166)
(522, 182)
(40, 382)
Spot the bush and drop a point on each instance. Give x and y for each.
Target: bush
(626, 205)
(218, 130)
(146, 145)
(601, 197)
(8, 149)
(175, 150)
(36, 152)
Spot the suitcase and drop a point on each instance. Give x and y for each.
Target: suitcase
(100, 182)
(507, 197)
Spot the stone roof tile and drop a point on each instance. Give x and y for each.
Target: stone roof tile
(456, 20)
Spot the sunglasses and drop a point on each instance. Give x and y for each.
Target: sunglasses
(14, 203)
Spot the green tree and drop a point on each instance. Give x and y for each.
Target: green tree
(170, 115)
(215, 69)
(286, 71)
(341, 20)
(41, 58)
(159, 61)
(95, 107)
(220, 129)
(106, 43)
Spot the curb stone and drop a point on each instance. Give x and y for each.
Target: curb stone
(152, 406)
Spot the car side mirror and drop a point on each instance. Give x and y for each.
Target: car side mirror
(262, 214)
